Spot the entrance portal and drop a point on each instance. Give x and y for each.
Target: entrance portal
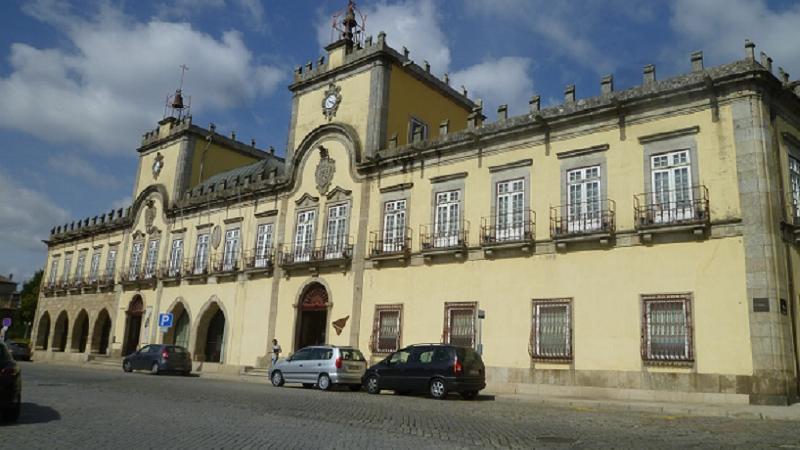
(214, 337)
(312, 316)
(43, 335)
(133, 325)
(101, 333)
(80, 332)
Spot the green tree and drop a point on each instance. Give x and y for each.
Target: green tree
(29, 297)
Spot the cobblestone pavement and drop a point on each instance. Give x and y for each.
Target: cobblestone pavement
(76, 407)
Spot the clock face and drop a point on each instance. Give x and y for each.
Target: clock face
(330, 101)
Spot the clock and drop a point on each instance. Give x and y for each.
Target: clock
(158, 164)
(331, 100)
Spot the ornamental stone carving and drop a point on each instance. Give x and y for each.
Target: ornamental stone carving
(325, 170)
(150, 216)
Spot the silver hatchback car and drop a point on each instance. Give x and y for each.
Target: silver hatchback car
(323, 366)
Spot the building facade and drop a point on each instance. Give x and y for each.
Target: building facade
(637, 243)
(9, 298)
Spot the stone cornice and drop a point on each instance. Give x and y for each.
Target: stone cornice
(396, 187)
(270, 213)
(512, 165)
(668, 134)
(449, 177)
(791, 139)
(582, 151)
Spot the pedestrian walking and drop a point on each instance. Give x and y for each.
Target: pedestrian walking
(276, 351)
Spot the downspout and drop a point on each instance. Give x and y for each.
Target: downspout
(209, 138)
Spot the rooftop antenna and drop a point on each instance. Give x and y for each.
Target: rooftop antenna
(175, 106)
(349, 25)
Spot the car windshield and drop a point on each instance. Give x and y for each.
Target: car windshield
(349, 354)
(4, 356)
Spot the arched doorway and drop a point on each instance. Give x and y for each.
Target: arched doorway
(178, 334)
(101, 334)
(60, 332)
(43, 332)
(312, 316)
(133, 325)
(211, 335)
(80, 332)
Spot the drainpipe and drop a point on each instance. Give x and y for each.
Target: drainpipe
(209, 139)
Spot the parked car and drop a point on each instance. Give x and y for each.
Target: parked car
(159, 358)
(19, 350)
(434, 368)
(10, 386)
(323, 366)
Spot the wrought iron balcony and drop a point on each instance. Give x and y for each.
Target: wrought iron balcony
(258, 262)
(196, 267)
(390, 243)
(220, 265)
(137, 275)
(318, 253)
(673, 210)
(444, 238)
(508, 230)
(171, 270)
(583, 221)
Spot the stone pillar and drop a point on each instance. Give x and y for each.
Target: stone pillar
(697, 62)
(378, 113)
(569, 94)
(607, 84)
(649, 74)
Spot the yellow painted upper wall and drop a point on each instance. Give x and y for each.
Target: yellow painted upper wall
(410, 97)
(218, 159)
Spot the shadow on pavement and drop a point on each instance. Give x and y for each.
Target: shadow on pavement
(33, 413)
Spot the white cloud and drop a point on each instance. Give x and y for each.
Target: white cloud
(26, 217)
(109, 87)
(413, 24)
(83, 170)
(719, 27)
(504, 80)
(251, 12)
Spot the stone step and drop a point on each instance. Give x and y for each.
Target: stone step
(254, 372)
(105, 361)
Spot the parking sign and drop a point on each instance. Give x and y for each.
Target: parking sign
(165, 320)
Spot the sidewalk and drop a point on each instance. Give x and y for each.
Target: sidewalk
(671, 409)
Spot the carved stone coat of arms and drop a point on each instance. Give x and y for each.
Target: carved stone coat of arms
(325, 170)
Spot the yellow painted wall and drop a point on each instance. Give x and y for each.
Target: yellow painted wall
(218, 159)
(409, 97)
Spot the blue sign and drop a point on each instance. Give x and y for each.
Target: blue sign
(7, 322)
(165, 320)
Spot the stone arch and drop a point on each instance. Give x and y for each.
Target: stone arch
(101, 333)
(145, 194)
(60, 332)
(211, 332)
(133, 325)
(80, 332)
(43, 332)
(343, 133)
(180, 331)
(312, 310)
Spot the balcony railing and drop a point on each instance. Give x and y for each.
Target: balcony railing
(195, 267)
(444, 236)
(511, 228)
(322, 250)
(582, 219)
(671, 208)
(137, 274)
(390, 242)
(221, 265)
(255, 261)
(171, 270)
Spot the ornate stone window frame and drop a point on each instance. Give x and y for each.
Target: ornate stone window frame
(374, 339)
(532, 342)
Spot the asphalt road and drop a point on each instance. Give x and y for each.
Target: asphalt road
(77, 407)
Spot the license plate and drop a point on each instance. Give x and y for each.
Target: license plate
(352, 368)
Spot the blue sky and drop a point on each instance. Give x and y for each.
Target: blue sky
(80, 82)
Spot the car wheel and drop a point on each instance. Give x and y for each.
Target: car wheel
(324, 382)
(277, 378)
(12, 414)
(126, 366)
(354, 387)
(308, 385)
(469, 395)
(438, 389)
(154, 369)
(372, 385)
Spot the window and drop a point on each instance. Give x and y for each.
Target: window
(67, 267)
(201, 254)
(263, 244)
(95, 267)
(583, 199)
(551, 334)
(111, 262)
(230, 255)
(136, 259)
(175, 257)
(336, 238)
(418, 128)
(80, 265)
(304, 236)
(400, 357)
(459, 326)
(667, 328)
(53, 271)
(671, 186)
(394, 226)
(152, 258)
(510, 210)
(794, 185)
(448, 215)
(386, 328)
